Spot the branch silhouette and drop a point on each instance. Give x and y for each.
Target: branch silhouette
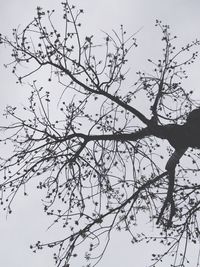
(97, 151)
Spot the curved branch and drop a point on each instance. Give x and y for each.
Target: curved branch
(170, 167)
(104, 93)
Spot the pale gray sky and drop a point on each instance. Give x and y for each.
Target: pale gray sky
(28, 224)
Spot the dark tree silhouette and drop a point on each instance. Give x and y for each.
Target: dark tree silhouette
(101, 162)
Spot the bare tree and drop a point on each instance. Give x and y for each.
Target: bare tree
(101, 162)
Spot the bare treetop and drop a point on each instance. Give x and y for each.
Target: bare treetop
(101, 162)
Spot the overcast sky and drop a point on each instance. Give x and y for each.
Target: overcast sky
(28, 224)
